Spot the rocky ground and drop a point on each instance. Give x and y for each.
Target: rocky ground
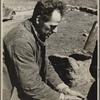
(70, 35)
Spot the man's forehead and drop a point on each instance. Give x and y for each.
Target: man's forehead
(56, 16)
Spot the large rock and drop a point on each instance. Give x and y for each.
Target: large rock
(73, 72)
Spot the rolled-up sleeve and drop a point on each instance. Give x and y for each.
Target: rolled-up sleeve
(28, 72)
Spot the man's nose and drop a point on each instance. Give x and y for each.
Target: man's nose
(55, 30)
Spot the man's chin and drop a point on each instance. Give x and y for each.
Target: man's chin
(46, 37)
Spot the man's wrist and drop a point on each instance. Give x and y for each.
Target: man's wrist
(61, 87)
(62, 96)
(66, 90)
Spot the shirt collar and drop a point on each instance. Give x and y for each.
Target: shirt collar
(34, 32)
(36, 36)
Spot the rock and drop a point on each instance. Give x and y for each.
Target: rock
(8, 13)
(85, 33)
(73, 72)
(81, 54)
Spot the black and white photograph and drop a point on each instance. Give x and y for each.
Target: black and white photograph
(49, 50)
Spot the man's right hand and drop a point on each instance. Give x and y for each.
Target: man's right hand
(69, 97)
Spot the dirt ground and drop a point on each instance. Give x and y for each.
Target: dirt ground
(69, 35)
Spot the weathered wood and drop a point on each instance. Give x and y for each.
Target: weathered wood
(91, 40)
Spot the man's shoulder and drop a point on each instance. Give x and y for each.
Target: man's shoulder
(20, 31)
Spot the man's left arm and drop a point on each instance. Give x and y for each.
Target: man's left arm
(55, 80)
(52, 75)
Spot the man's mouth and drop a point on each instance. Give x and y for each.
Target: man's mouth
(48, 35)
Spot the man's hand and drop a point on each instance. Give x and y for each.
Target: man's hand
(63, 88)
(69, 97)
(72, 93)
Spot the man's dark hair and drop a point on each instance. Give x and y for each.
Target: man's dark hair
(44, 8)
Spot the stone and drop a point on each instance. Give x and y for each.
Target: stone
(73, 72)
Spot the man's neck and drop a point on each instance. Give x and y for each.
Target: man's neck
(40, 37)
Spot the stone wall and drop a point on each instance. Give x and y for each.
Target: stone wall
(86, 3)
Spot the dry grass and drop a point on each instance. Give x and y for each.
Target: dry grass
(87, 3)
(16, 4)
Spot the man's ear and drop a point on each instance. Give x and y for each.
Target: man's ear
(38, 19)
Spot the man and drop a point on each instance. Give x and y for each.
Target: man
(24, 56)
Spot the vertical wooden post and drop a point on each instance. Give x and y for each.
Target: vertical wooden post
(91, 40)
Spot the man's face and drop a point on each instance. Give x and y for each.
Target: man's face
(50, 27)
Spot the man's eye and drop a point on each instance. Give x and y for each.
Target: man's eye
(53, 26)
